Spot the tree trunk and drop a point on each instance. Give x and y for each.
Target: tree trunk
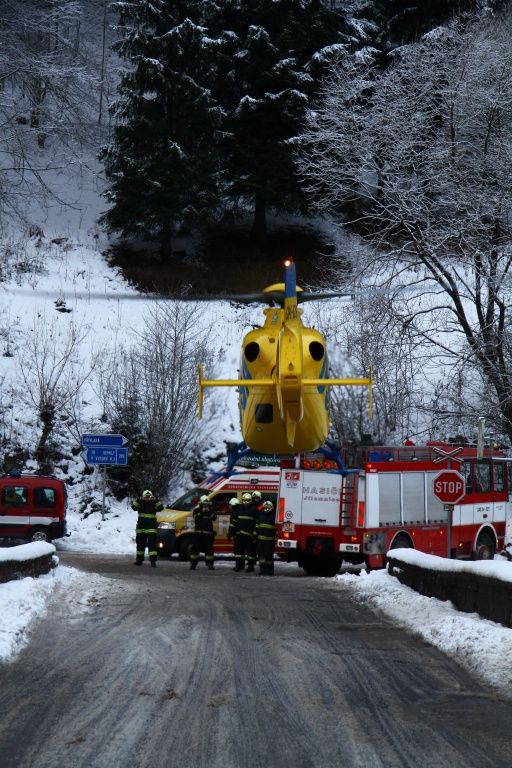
(166, 241)
(47, 416)
(259, 226)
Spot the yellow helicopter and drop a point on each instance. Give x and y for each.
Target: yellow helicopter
(283, 383)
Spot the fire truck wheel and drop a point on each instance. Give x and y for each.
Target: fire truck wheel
(484, 549)
(315, 566)
(185, 547)
(401, 541)
(38, 534)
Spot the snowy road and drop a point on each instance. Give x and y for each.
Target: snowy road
(171, 668)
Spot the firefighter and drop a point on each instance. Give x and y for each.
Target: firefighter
(265, 538)
(203, 533)
(256, 499)
(241, 528)
(146, 507)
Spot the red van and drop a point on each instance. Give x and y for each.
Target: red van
(32, 507)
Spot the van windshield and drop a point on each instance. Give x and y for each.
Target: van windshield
(188, 501)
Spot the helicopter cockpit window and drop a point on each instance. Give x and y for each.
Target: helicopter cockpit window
(316, 350)
(264, 413)
(252, 351)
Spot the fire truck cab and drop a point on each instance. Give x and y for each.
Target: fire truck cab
(384, 498)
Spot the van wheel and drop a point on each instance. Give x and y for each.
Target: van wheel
(38, 534)
(185, 548)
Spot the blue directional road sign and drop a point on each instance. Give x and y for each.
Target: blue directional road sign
(103, 441)
(106, 455)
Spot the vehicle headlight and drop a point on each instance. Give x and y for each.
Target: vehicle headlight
(166, 526)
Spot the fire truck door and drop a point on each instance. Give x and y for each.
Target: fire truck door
(290, 493)
(321, 493)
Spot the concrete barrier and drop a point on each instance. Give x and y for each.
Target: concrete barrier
(26, 560)
(483, 587)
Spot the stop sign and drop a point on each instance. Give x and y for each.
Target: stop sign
(449, 486)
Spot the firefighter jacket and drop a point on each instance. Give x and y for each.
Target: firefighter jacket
(243, 520)
(146, 510)
(203, 519)
(265, 525)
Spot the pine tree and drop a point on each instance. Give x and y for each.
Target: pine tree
(268, 68)
(398, 22)
(161, 165)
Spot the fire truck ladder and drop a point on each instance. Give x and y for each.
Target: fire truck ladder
(348, 501)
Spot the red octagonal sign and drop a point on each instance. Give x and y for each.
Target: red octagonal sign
(449, 486)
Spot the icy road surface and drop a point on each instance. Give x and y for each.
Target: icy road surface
(165, 667)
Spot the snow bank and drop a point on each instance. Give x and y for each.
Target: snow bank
(495, 569)
(26, 552)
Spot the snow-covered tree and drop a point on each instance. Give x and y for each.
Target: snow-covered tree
(149, 394)
(161, 164)
(423, 151)
(269, 57)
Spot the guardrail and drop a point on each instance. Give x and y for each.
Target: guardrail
(483, 586)
(26, 560)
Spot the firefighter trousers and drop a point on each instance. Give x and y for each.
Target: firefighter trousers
(244, 549)
(202, 542)
(265, 550)
(145, 539)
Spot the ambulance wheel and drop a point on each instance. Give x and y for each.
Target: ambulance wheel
(38, 534)
(484, 549)
(185, 548)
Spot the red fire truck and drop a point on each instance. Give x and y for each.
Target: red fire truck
(383, 498)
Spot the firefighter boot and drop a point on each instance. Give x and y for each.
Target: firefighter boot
(193, 564)
(153, 563)
(250, 568)
(138, 562)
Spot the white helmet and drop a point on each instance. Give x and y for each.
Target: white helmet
(234, 502)
(256, 496)
(147, 495)
(203, 499)
(246, 498)
(268, 506)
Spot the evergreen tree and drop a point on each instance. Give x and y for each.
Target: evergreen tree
(397, 22)
(268, 65)
(161, 164)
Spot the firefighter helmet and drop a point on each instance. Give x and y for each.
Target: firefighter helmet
(256, 496)
(268, 506)
(234, 502)
(204, 499)
(246, 498)
(147, 495)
